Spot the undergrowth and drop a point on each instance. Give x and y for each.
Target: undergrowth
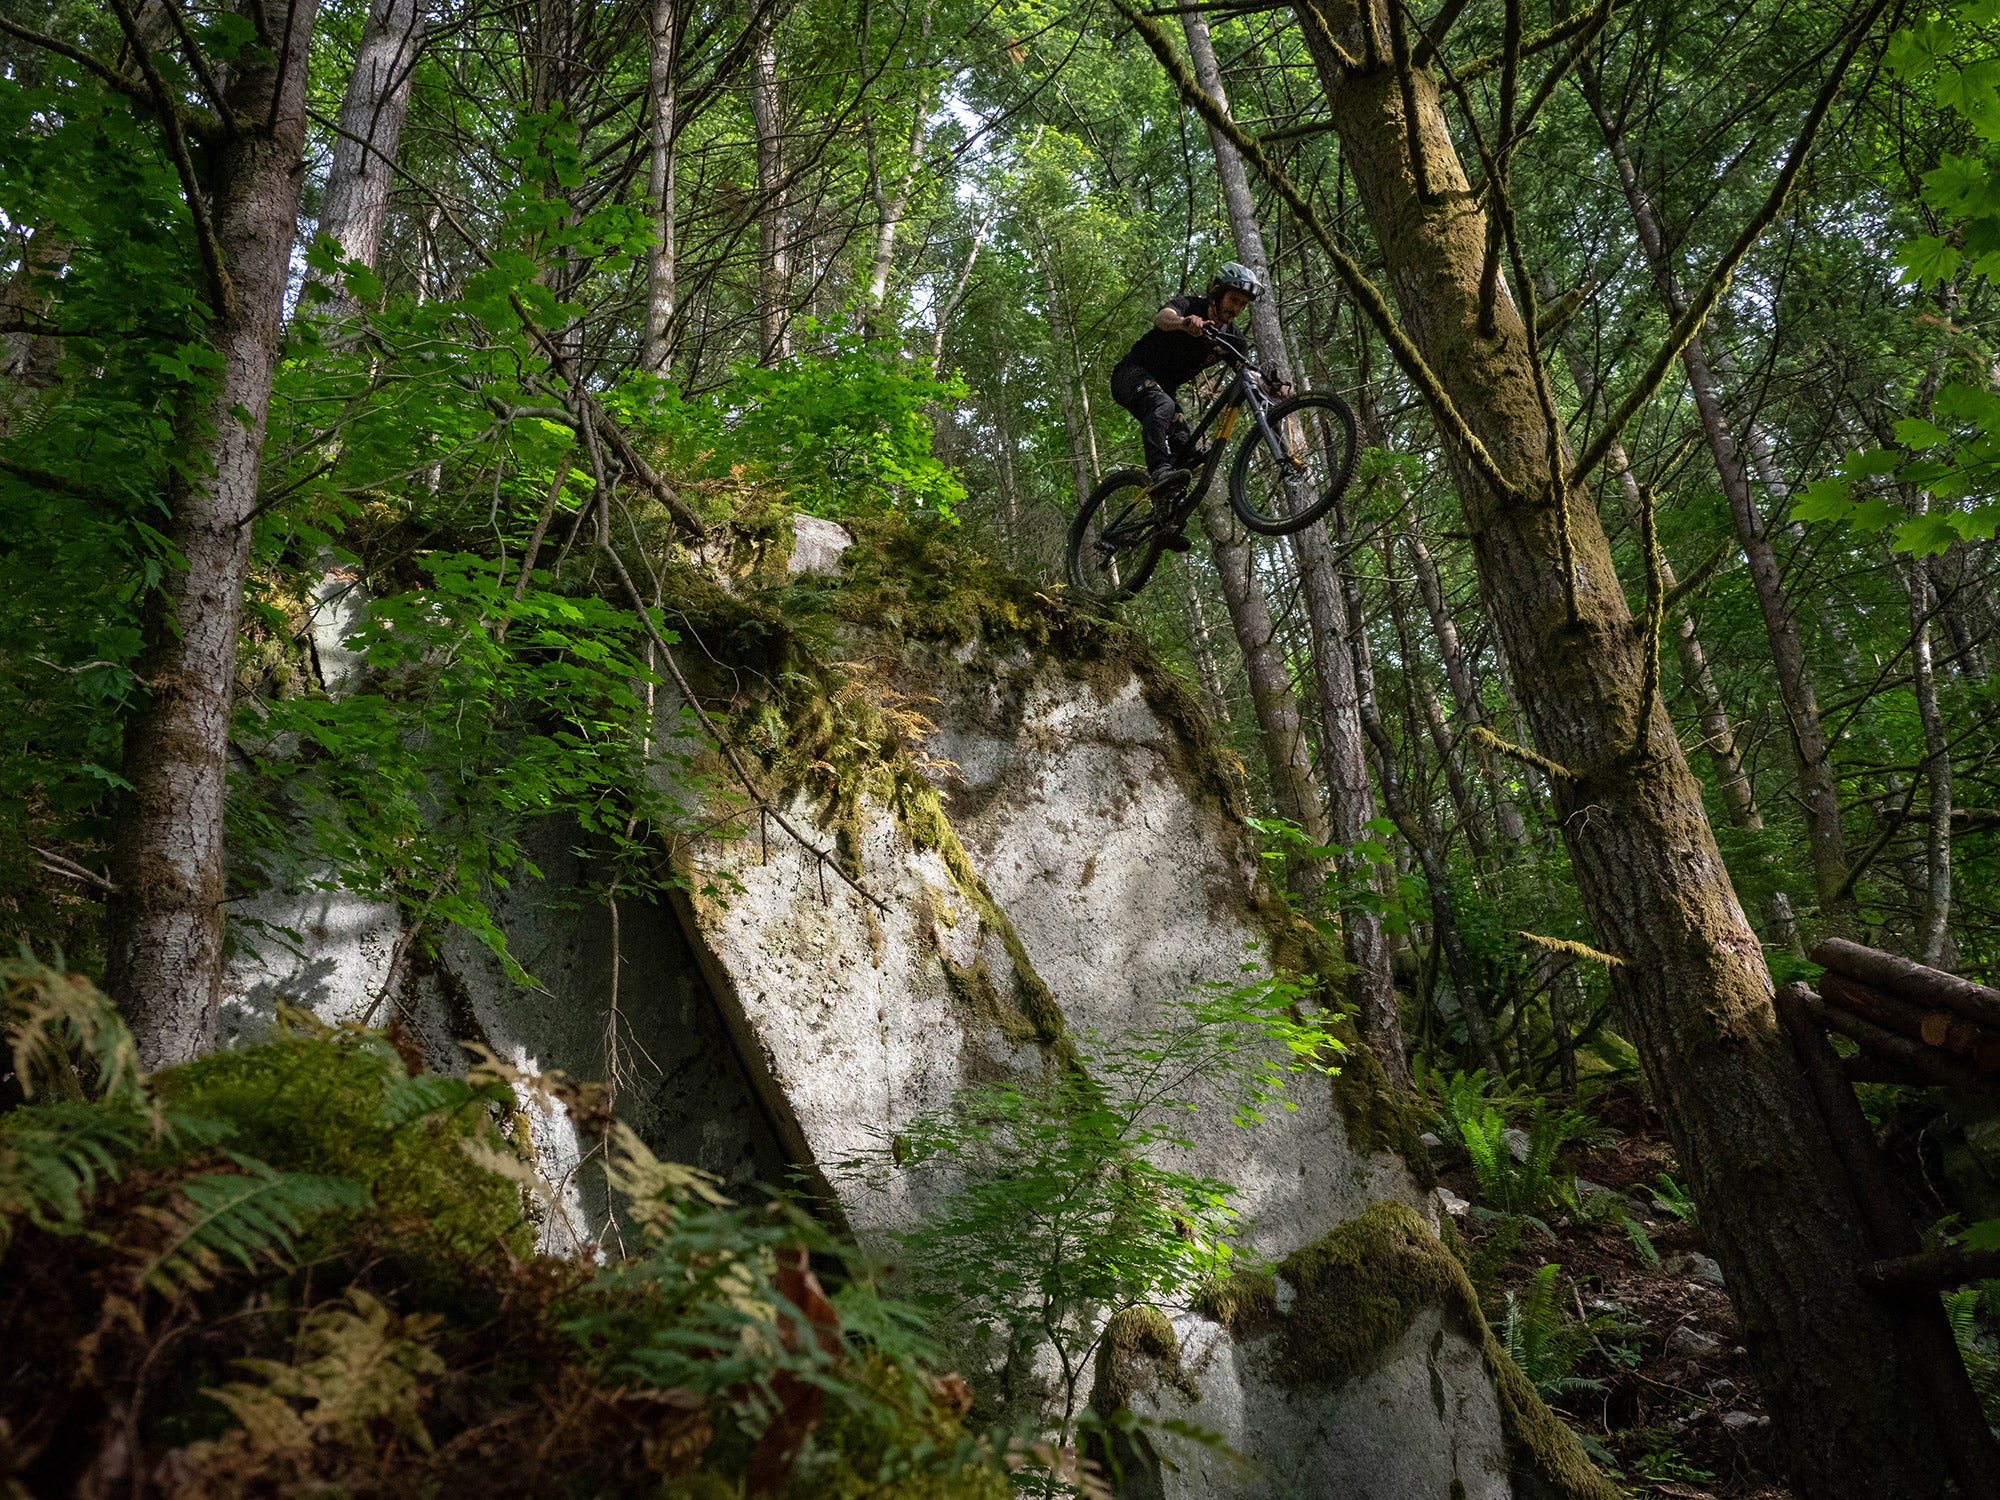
(294, 1267)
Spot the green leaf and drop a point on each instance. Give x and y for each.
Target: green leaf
(1928, 260)
(1917, 434)
(1825, 500)
(1925, 535)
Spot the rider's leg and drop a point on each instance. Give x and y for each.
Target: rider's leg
(1158, 413)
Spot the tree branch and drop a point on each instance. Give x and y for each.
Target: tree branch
(1704, 301)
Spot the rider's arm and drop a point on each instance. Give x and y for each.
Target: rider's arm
(1172, 320)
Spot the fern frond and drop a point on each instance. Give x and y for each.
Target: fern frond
(53, 1157)
(656, 1192)
(247, 1216)
(47, 1013)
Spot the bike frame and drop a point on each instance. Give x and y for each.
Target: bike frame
(1241, 391)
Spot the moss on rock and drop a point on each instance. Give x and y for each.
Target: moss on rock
(1139, 1350)
(1359, 1290)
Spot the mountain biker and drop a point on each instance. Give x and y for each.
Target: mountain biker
(1171, 354)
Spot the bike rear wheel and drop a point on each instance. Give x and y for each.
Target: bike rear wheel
(1282, 489)
(1114, 542)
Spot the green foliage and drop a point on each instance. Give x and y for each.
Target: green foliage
(1514, 1168)
(1544, 1340)
(844, 430)
(712, 1357)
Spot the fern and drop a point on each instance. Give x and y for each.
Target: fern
(53, 1157)
(48, 1015)
(1542, 1341)
(247, 1216)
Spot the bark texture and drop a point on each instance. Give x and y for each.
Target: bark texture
(166, 920)
(1691, 983)
(371, 126)
(663, 84)
(774, 261)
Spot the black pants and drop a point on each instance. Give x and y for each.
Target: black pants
(1160, 424)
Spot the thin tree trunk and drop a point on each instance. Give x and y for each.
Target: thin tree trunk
(1073, 426)
(959, 288)
(663, 81)
(1933, 938)
(371, 126)
(1718, 734)
(1343, 754)
(1471, 708)
(166, 925)
(1819, 789)
(1264, 668)
(1421, 701)
(774, 276)
(890, 206)
(1201, 644)
(1693, 990)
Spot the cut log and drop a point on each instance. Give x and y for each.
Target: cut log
(1938, 1067)
(1871, 1004)
(1941, 1268)
(1911, 981)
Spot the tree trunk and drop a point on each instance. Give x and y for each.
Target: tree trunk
(1693, 991)
(1932, 937)
(1343, 752)
(1073, 423)
(891, 204)
(1471, 708)
(1201, 645)
(371, 126)
(1819, 789)
(663, 82)
(1718, 734)
(774, 275)
(1264, 668)
(166, 918)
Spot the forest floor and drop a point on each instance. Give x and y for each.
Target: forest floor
(1659, 1377)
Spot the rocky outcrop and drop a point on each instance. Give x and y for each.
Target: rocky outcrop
(1062, 852)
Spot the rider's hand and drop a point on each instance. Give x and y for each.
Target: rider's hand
(1194, 323)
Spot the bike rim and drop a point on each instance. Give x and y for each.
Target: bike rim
(1109, 556)
(1292, 480)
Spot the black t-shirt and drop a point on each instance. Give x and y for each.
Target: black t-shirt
(1174, 358)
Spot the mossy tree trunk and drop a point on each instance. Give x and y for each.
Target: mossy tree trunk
(166, 919)
(1693, 990)
(371, 127)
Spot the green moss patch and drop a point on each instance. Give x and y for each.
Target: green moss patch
(1359, 1290)
(1139, 1348)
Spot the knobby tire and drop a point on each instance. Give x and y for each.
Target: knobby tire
(1325, 430)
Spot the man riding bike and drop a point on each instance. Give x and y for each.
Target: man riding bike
(1175, 350)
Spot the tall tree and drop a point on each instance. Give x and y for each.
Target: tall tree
(370, 127)
(166, 919)
(1343, 753)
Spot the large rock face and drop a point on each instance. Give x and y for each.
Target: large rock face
(1074, 862)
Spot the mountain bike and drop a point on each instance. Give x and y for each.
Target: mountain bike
(1291, 466)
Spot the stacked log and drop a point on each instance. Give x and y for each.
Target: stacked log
(1925, 1022)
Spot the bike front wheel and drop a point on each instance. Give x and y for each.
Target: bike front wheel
(1114, 542)
(1285, 482)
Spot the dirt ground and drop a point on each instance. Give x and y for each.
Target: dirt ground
(1674, 1403)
